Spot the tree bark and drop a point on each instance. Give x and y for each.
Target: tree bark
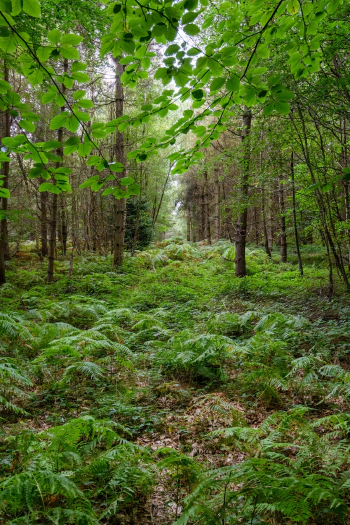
(241, 231)
(216, 205)
(283, 231)
(119, 204)
(54, 206)
(295, 225)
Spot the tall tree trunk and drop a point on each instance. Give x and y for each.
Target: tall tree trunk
(295, 224)
(4, 247)
(241, 230)
(283, 231)
(64, 226)
(54, 205)
(119, 204)
(263, 213)
(207, 234)
(216, 204)
(43, 223)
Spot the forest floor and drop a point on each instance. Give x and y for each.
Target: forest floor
(126, 391)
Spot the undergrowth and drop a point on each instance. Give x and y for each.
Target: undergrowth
(171, 391)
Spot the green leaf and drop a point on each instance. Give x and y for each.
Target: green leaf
(80, 77)
(86, 104)
(85, 149)
(268, 109)
(191, 29)
(171, 50)
(45, 186)
(28, 126)
(17, 6)
(4, 193)
(6, 6)
(71, 39)
(89, 181)
(54, 36)
(72, 124)
(217, 83)
(233, 83)
(4, 87)
(51, 144)
(116, 167)
(70, 53)
(80, 93)
(44, 53)
(59, 121)
(282, 107)
(32, 8)
(198, 94)
(125, 181)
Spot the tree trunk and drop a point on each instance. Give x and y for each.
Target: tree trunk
(43, 222)
(283, 232)
(263, 213)
(216, 205)
(4, 247)
(54, 206)
(207, 234)
(188, 220)
(296, 236)
(120, 204)
(241, 232)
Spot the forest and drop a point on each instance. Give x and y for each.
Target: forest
(174, 262)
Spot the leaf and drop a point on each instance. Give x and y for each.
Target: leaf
(282, 107)
(198, 94)
(4, 193)
(217, 83)
(80, 93)
(268, 109)
(80, 77)
(71, 39)
(191, 29)
(86, 104)
(28, 126)
(89, 181)
(45, 186)
(233, 83)
(59, 121)
(125, 181)
(85, 149)
(70, 53)
(117, 167)
(17, 6)
(44, 53)
(6, 6)
(32, 8)
(54, 36)
(72, 141)
(72, 124)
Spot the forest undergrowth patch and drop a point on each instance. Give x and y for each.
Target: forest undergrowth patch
(172, 391)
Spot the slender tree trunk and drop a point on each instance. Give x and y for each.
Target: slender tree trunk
(43, 223)
(295, 224)
(263, 213)
(120, 204)
(216, 204)
(54, 206)
(241, 232)
(283, 231)
(64, 227)
(4, 247)
(207, 233)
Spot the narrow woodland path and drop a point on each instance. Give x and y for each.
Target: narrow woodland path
(172, 390)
